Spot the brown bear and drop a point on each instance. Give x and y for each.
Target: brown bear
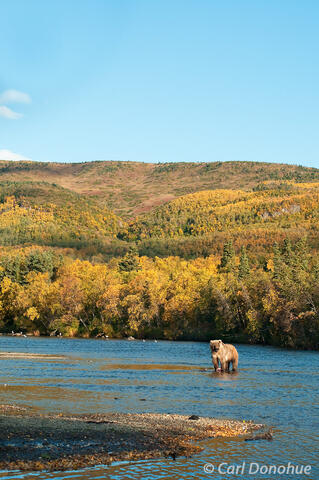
(225, 354)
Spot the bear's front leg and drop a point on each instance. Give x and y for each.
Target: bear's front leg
(216, 365)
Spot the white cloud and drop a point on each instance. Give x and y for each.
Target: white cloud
(6, 112)
(14, 96)
(8, 155)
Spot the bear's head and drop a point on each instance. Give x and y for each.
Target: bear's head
(215, 345)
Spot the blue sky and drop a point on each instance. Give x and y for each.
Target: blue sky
(158, 80)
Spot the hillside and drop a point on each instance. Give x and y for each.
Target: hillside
(68, 205)
(132, 188)
(272, 211)
(45, 214)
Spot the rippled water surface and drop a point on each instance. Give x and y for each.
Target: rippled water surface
(273, 386)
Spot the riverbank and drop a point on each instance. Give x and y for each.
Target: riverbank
(30, 441)
(239, 340)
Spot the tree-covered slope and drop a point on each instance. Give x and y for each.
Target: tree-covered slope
(286, 205)
(200, 223)
(45, 214)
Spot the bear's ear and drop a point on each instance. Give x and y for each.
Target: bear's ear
(219, 341)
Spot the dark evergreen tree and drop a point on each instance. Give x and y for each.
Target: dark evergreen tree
(130, 262)
(287, 252)
(302, 254)
(243, 269)
(277, 260)
(228, 258)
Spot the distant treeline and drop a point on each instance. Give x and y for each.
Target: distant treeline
(231, 296)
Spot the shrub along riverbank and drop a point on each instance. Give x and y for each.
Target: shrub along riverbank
(274, 300)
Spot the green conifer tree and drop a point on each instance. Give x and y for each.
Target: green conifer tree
(243, 269)
(277, 260)
(227, 261)
(287, 252)
(130, 262)
(302, 254)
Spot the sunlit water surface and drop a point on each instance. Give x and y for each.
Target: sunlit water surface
(273, 386)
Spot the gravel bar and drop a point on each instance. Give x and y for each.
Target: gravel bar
(30, 441)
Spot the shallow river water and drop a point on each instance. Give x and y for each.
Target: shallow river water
(273, 386)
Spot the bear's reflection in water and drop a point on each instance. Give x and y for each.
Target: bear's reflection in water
(225, 376)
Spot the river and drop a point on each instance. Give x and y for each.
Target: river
(273, 386)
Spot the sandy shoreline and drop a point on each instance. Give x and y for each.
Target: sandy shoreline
(23, 355)
(30, 441)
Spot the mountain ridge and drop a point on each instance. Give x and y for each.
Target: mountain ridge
(132, 188)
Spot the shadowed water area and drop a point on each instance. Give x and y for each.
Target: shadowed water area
(273, 386)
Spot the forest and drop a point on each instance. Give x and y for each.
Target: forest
(277, 302)
(240, 263)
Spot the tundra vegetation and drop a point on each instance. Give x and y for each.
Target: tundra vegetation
(238, 263)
